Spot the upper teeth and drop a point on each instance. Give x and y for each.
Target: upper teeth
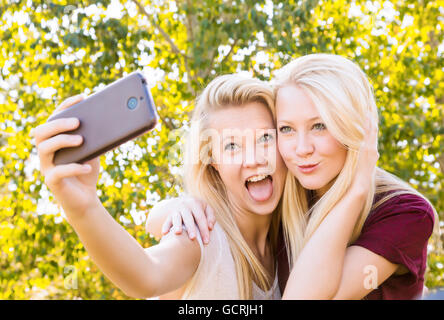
(257, 178)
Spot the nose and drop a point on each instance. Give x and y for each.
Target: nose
(254, 157)
(249, 158)
(304, 146)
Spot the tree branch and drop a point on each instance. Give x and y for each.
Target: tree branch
(162, 32)
(441, 162)
(189, 20)
(229, 52)
(173, 46)
(210, 66)
(168, 124)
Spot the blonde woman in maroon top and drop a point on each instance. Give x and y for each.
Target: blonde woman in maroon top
(344, 241)
(351, 230)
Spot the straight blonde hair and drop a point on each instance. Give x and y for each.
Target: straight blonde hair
(344, 99)
(202, 180)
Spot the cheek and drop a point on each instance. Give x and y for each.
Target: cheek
(331, 149)
(276, 165)
(229, 175)
(327, 145)
(286, 148)
(215, 153)
(280, 165)
(281, 171)
(270, 155)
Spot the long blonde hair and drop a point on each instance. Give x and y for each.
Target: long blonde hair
(344, 99)
(202, 180)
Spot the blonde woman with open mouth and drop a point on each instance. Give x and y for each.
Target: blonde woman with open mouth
(351, 230)
(233, 112)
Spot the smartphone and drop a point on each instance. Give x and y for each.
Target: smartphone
(121, 111)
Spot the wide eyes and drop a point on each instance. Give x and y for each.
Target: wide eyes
(319, 126)
(267, 137)
(233, 146)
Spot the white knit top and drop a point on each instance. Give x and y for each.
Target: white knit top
(215, 277)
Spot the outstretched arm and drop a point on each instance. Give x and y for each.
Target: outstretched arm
(139, 272)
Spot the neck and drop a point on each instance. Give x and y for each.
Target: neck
(254, 228)
(320, 192)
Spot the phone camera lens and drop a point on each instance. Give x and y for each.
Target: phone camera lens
(132, 103)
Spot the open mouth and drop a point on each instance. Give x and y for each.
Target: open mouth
(260, 187)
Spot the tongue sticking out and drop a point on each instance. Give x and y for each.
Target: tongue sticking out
(260, 190)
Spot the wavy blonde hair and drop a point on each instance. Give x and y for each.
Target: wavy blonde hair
(344, 99)
(202, 180)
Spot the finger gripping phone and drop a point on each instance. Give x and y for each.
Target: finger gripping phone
(121, 111)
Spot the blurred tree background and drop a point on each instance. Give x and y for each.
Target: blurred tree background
(51, 50)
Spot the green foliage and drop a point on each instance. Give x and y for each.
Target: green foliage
(52, 50)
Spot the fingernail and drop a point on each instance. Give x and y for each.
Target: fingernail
(86, 167)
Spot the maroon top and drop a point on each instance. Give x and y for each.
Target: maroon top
(397, 230)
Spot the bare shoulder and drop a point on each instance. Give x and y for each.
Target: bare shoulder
(179, 250)
(183, 243)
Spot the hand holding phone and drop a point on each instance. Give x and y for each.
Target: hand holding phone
(122, 111)
(73, 185)
(70, 142)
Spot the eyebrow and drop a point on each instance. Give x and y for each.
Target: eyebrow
(229, 137)
(265, 130)
(309, 120)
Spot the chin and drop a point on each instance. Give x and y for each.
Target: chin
(265, 208)
(262, 210)
(311, 185)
